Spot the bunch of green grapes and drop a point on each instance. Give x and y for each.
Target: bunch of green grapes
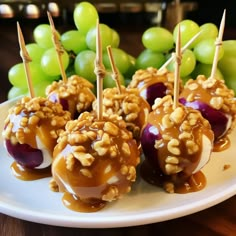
(197, 59)
(79, 51)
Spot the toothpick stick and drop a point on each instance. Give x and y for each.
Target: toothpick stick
(115, 75)
(177, 69)
(218, 46)
(182, 50)
(58, 47)
(99, 71)
(26, 60)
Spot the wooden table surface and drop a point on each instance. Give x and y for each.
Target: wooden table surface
(216, 220)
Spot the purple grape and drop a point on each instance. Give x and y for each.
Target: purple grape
(217, 119)
(53, 97)
(157, 90)
(24, 154)
(148, 137)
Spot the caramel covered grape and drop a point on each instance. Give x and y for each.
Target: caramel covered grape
(176, 142)
(95, 161)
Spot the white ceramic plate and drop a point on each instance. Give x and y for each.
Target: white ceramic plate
(33, 201)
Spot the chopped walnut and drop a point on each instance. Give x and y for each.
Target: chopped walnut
(31, 116)
(75, 88)
(128, 104)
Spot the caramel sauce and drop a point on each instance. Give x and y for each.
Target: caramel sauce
(26, 174)
(222, 144)
(189, 162)
(98, 181)
(75, 204)
(193, 183)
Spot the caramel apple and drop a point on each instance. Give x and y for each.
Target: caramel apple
(94, 162)
(177, 144)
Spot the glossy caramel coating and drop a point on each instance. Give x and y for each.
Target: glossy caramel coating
(178, 147)
(144, 78)
(75, 94)
(32, 118)
(95, 161)
(129, 105)
(216, 94)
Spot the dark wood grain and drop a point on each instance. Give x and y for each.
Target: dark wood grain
(217, 220)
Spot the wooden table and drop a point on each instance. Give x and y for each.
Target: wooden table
(216, 220)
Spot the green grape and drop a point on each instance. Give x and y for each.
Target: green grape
(70, 70)
(185, 79)
(35, 51)
(204, 69)
(188, 63)
(227, 63)
(73, 40)
(121, 60)
(127, 81)
(109, 82)
(158, 39)
(148, 58)
(188, 28)
(115, 39)
(205, 51)
(40, 88)
(229, 48)
(231, 83)
(43, 35)
(50, 63)
(17, 76)
(84, 65)
(85, 16)
(106, 37)
(132, 68)
(16, 92)
(208, 30)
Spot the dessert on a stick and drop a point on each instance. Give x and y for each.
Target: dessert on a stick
(95, 158)
(125, 102)
(32, 127)
(213, 99)
(155, 83)
(74, 93)
(177, 143)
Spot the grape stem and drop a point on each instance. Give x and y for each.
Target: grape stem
(99, 71)
(26, 60)
(218, 44)
(182, 51)
(177, 69)
(57, 46)
(115, 75)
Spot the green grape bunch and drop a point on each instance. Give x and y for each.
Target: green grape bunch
(197, 59)
(79, 51)
(79, 47)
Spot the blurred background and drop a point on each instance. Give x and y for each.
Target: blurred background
(129, 17)
(165, 12)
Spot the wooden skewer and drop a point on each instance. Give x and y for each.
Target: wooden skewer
(115, 72)
(58, 47)
(182, 50)
(218, 46)
(177, 69)
(26, 60)
(100, 72)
